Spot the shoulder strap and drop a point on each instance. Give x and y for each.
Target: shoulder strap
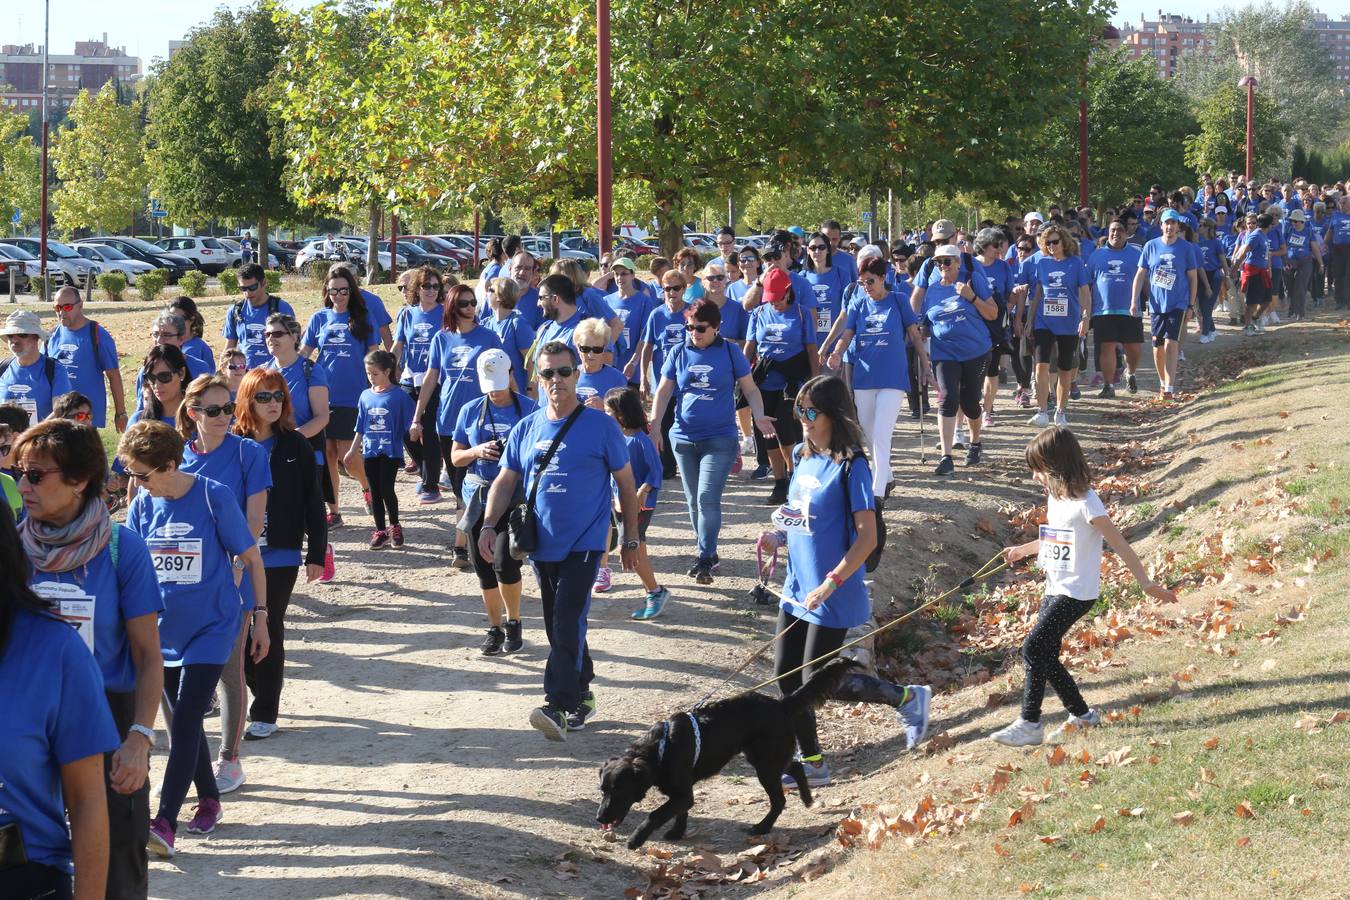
(273, 304)
(552, 449)
(49, 369)
(93, 338)
(114, 540)
(4, 366)
(308, 367)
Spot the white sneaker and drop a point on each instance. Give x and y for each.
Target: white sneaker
(1020, 734)
(1075, 723)
(229, 775)
(748, 446)
(258, 731)
(1040, 420)
(1181, 355)
(962, 437)
(1259, 326)
(1061, 420)
(1272, 318)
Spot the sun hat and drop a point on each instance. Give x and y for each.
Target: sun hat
(22, 321)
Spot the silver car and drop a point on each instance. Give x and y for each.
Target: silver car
(62, 261)
(114, 260)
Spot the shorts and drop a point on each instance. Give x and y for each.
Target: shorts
(1166, 326)
(1118, 329)
(341, 423)
(644, 519)
(995, 358)
(780, 409)
(1258, 293)
(1064, 347)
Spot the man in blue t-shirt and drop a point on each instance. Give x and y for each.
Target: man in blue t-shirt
(563, 456)
(1337, 237)
(30, 378)
(89, 354)
(1169, 268)
(1112, 268)
(244, 320)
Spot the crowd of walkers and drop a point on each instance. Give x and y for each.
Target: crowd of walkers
(553, 406)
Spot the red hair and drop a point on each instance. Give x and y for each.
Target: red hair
(246, 420)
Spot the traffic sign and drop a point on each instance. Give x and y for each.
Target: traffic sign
(17, 217)
(867, 215)
(159, 213)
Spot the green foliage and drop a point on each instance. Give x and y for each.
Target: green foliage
(273, 281)
(192, 283)
(20, 169)
(151, 284)
(229, 281)
(779, 204)
(42, 285)
(1221, 143)
(317, 270)
(98, 159)
(113, 284)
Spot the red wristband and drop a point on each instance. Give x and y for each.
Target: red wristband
(838, 582)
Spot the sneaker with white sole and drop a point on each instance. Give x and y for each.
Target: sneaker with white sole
(653, 604)
(817, 775)
(260, 731)
(1040, 420)
(1020, 734)
(229, 775)
(1061, 420)
(913, 714)
(604, 580)
(552, 721)
(205, 817)
(987, 420)
(576, 719)
(329, 566)
(160, 840)
(1090, 719)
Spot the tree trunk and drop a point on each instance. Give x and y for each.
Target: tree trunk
(668, 226)
(872, 223)
(373, 245)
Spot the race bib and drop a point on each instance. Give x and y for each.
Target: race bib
(1164, 279)
(70, 602)
(823, 322)
(29, 404)
(177, 561)
(791, 520)
(1056, 549)
(1055, 308)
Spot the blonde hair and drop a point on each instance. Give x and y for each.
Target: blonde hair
(573, 270)
(1067, 241)
(192, 397)
(591, 332)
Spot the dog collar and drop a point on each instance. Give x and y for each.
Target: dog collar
(665, 734)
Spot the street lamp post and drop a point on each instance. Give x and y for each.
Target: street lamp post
(603, 123)
(1249, 82)
(42, 227)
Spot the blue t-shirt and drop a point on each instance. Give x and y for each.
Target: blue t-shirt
(1057, 281)
(416, 327)
(84, 366)
(779, 337)
(735, 320)
(664, 331)
(30, 387)
(454, 356)
(275, 557)
(1338, 228)
(999, 276)
(1168, 266)
(376, 312)
(877, 352)
(381, 420)
(128, 591)
(527, 306)
(52, 712)
(1258, 249)
(561, 330)
(958, 329)
(482, 420)
(1300, 243)
(196, 367)
(705, 380)
(599, 383)
(633, 312)
(828, 292)
(341, 354)
(1276, 244)
(821, 531)
(573, 503)
(192, 541)
(195, 346)
(247, 329)
(1212, 253)
(300, 376)
(1113, 274)
(516, 336)
(844, 261)
(646, 463)
(242, 466)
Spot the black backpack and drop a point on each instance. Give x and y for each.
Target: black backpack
(873, 558)
(48, 369)
(237, 310)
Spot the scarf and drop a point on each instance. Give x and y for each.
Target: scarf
(57, 549)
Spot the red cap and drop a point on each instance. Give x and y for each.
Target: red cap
(776, 284)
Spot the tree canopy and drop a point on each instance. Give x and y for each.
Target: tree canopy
(98, 160)
(20, 169)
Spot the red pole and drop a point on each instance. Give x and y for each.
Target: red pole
(1251, 89)
(393, 247)
(602, 88)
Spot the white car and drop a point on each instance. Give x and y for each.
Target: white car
(233, 253)
(355, 252)
(112, 259)
(704, 243)
(62, 261)
(540, 248)
(210, 255)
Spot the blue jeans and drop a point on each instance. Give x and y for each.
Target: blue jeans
(565, 588)
(1206, 300)
(188, 689)
(704, 468)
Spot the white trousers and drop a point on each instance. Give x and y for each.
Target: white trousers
(878, 410)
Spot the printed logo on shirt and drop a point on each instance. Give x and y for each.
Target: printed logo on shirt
(674, 333)
(700, 372)
(422, 332)
(1115, 267)
(773, 332)
(171, 530)
(461, 357)
(65, 354)
(875, 323)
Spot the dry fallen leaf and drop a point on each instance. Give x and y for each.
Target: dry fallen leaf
(1134, 813)
(1098, 825)
(1184, 818)
(1244, 810)
(1243, 841)
(1049, 838)
(1000, 851)
(1057, 756)
(1212, 744)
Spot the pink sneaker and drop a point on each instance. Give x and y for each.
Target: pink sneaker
(160, 842)
(378, 539)
(604, 580)
(205, 817)
(396, 535)
(987, 420)
(1098, 380)
(365, 498)
(329, 566)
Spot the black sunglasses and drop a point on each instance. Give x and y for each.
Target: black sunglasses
(466, 303)
(1052, 243)
(749, 259)
(34, 476)
(817, 247)
(215, 409)
(944, 260)
(672, 288)
(249, 288)
(582, 349)
(162, 377)
(137, 476)
(697, 329)
(810, 414)
(237, 367)
(560, 372)
(269, 396)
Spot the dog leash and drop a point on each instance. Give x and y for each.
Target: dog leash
(741, 668)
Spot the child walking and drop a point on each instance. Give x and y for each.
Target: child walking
(1069, 551)
(383, 415)
(624, 405)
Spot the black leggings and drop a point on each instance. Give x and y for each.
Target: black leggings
(803, 643)
(504, 568)
(428, 464)
(961, 385)
(264, 678)
(188, 689)
(1040, 656)
(381, 472)
(916, 395)
(456, 472)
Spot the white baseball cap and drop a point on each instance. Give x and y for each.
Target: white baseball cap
(1033, 215)
(494, 370)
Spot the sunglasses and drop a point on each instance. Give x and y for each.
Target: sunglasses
(431, 287)
(810, 414)
(749, 259)
(466, 303)
(817, 247)
(82, 416)
(581, 349)
(34, 476)
(944, 261)
(697, 329)
(64, 307)
(237, 367)
(138, 476)
(714, 278)
(1052, 243)
(560, 372)
(672, 288)
(269, 396)
(868, 282)
(161, 377)
(249, 288)
(215, 410)
(338, 292)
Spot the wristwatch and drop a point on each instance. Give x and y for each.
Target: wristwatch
(239, 564)
(147, 733)
(631, 545)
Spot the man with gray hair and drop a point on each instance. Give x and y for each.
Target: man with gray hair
(89, 355)
(171, 329)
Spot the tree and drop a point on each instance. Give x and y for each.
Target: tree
(215, 142)
(20, 169)
(776, 204)
(98, 161)
(1222, 141)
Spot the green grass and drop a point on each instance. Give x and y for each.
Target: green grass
(1262, 380)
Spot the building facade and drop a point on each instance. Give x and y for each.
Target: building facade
(90, 67)
(1166, 41)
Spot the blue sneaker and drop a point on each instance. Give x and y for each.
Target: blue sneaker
(429, 497)
(817, 775)
(654, 604)
(761, 472)
(913, 714)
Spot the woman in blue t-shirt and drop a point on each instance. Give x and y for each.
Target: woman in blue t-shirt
(827, 280)
(700, 377)
(342, 332)
(591, 339)
(416, 326)
(201, 547)
(1060, 303)
(505, 321)
(97, 575)
(830, 519)
(55, 729)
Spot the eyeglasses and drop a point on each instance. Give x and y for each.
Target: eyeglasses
(138, 476)
(34, 476)
(164, 335)
(944, 260)
(672, 288)
(237, 367)
(64, 307)
(276, 335)
(161, 377)
(249, 288)
(714, 278)
(697, 329)
(83, 415)
(269, 396)
(431, 287)
(581, 349)
(809, 413)
(466, 303)
(560, 372)
(868, 282)
(817, 247)
(748, 259)
(338, 292)
(215, 410)
(1054, 242)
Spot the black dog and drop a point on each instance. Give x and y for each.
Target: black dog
(690, 747)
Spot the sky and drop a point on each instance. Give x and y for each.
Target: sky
(145, 27)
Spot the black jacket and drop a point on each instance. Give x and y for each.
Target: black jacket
(295, 504)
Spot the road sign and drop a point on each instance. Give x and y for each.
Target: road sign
(867, 216)
(159, 214)
(17, 217)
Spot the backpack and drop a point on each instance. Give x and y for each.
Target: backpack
(873, 558)
(48, 369)
(237, 310)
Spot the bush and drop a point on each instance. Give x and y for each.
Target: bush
(151, 285)
(273, 282)
(43, 284)
(317, 270)
(113, 284)
(229, 281)
(193, 283)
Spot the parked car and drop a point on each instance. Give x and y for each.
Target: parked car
(580, 243)
(278, 254)
(703, 243)
(634, 246)
(13, 267)
(62, 261)
(210, 255)
(428, 243)
(350, 249)
(174, 266)
(112, 259)
(410, 256)
(541, 247)
(236, 255)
